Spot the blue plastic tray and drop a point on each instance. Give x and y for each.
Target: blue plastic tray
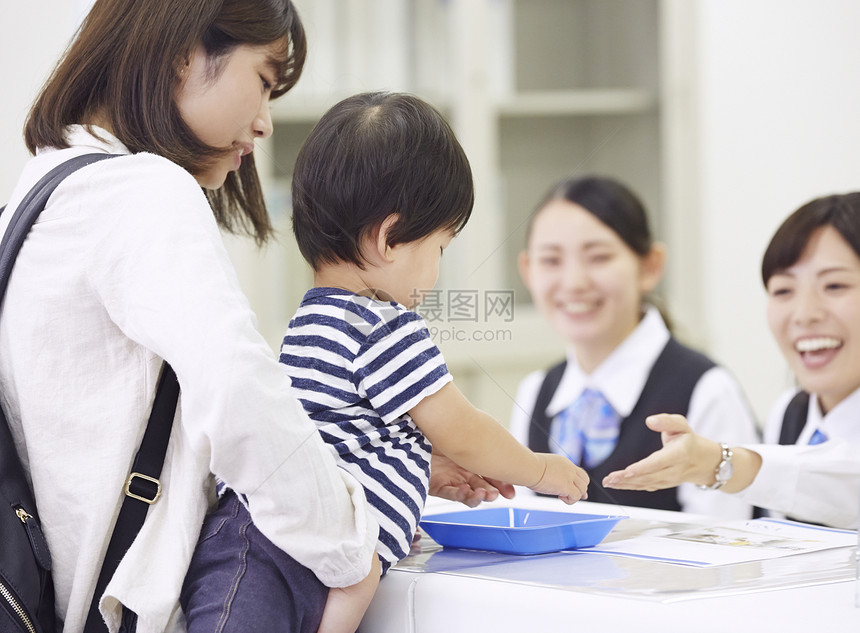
(518, 531)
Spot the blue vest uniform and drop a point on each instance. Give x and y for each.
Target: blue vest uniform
(668, 389)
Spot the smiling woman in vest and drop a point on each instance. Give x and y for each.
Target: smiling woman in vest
(591, 264)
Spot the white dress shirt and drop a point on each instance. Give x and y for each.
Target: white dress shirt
(819, 483)
(718, 409)
(124, 268)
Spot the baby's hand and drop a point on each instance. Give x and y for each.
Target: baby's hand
(563, 478)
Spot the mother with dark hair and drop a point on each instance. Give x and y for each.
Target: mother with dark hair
(126, 269)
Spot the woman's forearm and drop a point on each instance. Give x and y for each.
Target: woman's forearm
(746, 464)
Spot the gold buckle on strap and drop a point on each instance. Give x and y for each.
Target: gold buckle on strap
(139, 497)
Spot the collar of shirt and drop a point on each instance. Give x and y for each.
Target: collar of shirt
(622, 375)
(840, 422)
(90, 137)
(81, 139)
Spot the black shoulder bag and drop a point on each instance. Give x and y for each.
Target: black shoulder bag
(26, 587)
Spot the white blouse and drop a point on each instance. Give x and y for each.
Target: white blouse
(819, 483)
(718, 408)
(124, 268)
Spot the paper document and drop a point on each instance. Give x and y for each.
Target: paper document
(729, 543)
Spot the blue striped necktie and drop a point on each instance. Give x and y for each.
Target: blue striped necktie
(817, 438)
(587, 431)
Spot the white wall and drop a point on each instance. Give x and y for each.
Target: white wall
(778, 102)
(32, 37)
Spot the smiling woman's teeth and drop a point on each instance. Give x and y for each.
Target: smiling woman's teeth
(577, 307)
(817, 344)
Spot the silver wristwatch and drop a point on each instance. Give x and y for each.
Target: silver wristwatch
(724, 471)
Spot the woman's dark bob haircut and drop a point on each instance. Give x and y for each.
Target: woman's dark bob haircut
(610, 202)
(370, 156)
(122, 67)
(841, 211)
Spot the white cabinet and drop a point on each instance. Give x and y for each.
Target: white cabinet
(535, 89)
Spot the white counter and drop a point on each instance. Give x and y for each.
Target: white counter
(428, 593)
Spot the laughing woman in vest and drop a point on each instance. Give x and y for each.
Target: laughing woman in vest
(810, 467)
(589, 265)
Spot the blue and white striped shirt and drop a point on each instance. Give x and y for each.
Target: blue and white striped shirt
(358, 366)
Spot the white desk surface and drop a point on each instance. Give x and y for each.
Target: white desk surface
(459, 601)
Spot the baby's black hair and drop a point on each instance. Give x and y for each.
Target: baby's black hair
(370, 156)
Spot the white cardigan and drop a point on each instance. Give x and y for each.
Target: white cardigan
(124, 268)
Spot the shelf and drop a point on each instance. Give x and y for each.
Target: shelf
(578, 102)
(300, 108)
(535, 90)
(307, 109)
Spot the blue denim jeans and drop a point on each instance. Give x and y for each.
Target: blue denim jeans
(239, 581)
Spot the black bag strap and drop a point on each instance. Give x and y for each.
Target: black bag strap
(142, 488)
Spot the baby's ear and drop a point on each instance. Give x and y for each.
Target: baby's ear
(381, 247)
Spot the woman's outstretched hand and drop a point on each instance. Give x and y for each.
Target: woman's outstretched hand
(685, 457)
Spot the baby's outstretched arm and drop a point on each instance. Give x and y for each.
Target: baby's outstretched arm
(477, 442)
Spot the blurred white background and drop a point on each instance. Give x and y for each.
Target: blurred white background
(725, 115)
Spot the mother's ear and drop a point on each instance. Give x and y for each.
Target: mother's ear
(182, 68)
